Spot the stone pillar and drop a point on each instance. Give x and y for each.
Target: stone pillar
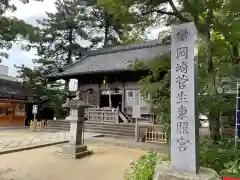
(137, 130)
(75, 148)
(184, 163)
(164, 171)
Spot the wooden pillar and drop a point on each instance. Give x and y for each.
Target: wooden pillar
(98, 94)
(123, 97)
(123, 100)
(110, 100)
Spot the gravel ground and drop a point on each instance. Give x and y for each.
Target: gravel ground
(107, 163)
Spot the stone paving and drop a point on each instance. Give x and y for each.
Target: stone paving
(19, 140)
(13, 143)
(23, 140)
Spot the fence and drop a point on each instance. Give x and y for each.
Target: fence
(152, 133)
(103, 114)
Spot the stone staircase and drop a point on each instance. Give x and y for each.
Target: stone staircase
(110, 129)
(58, 125)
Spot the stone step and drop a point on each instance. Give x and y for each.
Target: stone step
(110, 129)
(88, 124)
(115, 133)
(127, 130)
(93, 128)
(82, 154)
(86, 152)
(60, 126)
(12, 127)
(106, 132)
(69, 149)
(54, 129)
(110, 123)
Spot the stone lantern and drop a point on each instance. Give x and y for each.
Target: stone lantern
(76, 118)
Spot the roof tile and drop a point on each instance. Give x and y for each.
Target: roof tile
(116, 58)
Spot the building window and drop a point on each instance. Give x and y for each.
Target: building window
(73, 112)
(134, 98)
(130, 94)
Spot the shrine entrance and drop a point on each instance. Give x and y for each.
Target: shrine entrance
(104, 100)
(110, 98)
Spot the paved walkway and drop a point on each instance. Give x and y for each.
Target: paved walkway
(19, 140)
(13, 141)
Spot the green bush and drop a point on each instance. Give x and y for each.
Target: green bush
(143, 168)
(217, 156)
(232, 169)
(223, 157)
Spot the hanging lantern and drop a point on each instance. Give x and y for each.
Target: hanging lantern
(104, 82)
(90, 90)
(116, 90)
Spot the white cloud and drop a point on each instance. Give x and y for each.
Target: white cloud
(34, 8)
(30, 13)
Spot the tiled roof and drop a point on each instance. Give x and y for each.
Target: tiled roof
(12, 89)
(117, 58)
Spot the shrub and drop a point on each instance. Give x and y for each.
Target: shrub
(143, 168)
(216, 156)
(232, 169)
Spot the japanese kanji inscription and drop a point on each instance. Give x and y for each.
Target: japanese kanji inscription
(184, 117)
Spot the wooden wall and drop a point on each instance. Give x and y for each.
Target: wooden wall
(12, 114)
(131, 96)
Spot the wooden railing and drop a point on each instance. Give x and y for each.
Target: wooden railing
(103, 114)
(151, 133)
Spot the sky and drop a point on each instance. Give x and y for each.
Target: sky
(30, 12)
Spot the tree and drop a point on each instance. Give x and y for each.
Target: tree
(61, 32)
(38, 85)
(115, 23)
(60, 37)
(213, 19)
(13, 29)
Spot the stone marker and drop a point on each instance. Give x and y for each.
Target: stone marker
(76, 148)
(184, 163)
(164, 172)
(184, 115)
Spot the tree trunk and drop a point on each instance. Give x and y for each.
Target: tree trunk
(69, 56)
(235, 53)
(214, 112)
(106, 30)
(70, 41)
(209, 51)
(214, 125)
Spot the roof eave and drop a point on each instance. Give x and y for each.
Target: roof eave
(67, 76)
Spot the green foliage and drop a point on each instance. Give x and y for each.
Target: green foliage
(119, 17)
(59, 35)
(13, 29)
(143, 168)
(157, 85)
(216, 156)
(232, 169)
(41, 88)
(218, 55)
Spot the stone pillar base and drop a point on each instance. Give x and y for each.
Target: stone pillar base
(163, 172)
(74, 152)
